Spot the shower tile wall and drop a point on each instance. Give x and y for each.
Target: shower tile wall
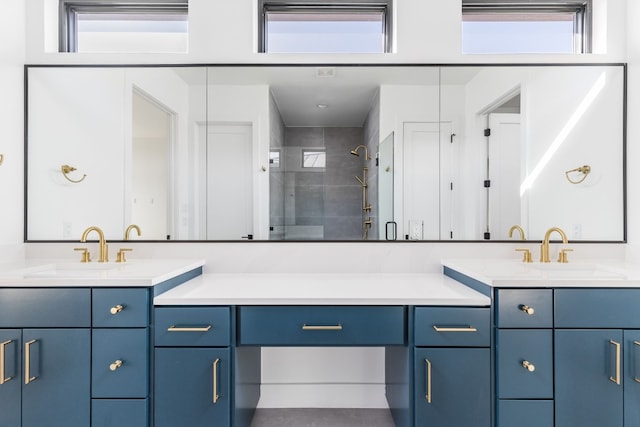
(371, 136)
(276, 174)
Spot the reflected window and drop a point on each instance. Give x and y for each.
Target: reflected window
(314, 158)
(124, 26)
(325, 26)
(513, 26)
(274, 158)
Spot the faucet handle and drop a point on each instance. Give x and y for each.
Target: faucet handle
(526, 256)
(562, 255)
(85, 255)
(120, 256)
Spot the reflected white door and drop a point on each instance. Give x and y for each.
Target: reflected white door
(504, 173)
(229, 182)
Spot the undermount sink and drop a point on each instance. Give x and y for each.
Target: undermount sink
(575, 270)
(71, 270)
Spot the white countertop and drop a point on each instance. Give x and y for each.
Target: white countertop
(67, 273)
(514, 273)
(322, 289)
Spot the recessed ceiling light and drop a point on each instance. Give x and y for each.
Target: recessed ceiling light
(322, 106)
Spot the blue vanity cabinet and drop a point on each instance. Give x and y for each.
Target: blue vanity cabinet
(452, 367)
(192, 374)
(45, 341)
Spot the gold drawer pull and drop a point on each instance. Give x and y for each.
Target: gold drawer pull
(117, 309)
(175, 328)
(528, 366)
(635, 378)
(3, 379)
(216, 396)
(115, 365)
(454, 329)
(616, 377)
(27, 362)
(529, 310)
(306, 327)
(427, 396)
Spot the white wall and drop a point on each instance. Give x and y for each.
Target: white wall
(224, 31)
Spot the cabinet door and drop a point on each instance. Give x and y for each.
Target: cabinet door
(58, 365)
(589, 391)
(10, 378)
(452, 387)
(192, 387)
(632, 378)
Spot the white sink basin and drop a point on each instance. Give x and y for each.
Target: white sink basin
(575, 270)
(70, 270)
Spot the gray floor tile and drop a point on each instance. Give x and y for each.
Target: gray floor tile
(312, 417)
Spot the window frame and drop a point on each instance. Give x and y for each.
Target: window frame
(582, 10)
(328, 6)
(68, 11)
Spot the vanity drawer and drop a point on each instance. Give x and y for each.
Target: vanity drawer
(525, 363)
(119, 413)
(120, 308)
(120, 363)
(524, 308)
(192, 326)
(525, 413)
(48, 307)
(597, 308)
(452, 327)
(322, 325)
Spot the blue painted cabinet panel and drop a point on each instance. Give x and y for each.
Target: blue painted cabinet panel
(597, 308)
(49, 308)
(192, 387)
(632, 378)
(452, 327)
(192, 326)
(585, 363)
(525, 413)
(130, 377)
(457, 383)
(11, 387)
(59, 393)
(120, 308)
(524, 308)
(119, 412)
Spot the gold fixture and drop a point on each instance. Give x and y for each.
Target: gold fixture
(519, 229)
(3, 346)
(366, 151)
(66, 170)
(306, 327)
(526, 254)
(544, 248)
(455, 329)
(174, 328)
(104, 248)
(562, 256)
(120, 255)
(528, 366)
(525, 308)
(616, 379)
(85, 256)
(1, 159)
(115, 365)
(584, 170)
(635, 378)
(428, 395)
(27, 362)
(215, 381)
(366, 206)
(128, 231)
(116, 309)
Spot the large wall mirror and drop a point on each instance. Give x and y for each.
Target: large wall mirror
(339, 153)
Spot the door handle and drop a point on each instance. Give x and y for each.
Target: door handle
(248, 237)
(635, 376)
(454, 329)
(27, 362)
(216, 396)
(427, 395)
(3, 377)
(394, 229)
(616, 377)
(306, 327)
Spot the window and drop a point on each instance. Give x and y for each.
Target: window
(325, 27)
(512, 26)
(314, 158)
(123, 25)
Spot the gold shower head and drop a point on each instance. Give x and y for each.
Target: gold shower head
(366, 152)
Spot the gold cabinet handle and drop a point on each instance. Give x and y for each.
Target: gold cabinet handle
(3, 377)
(454, 329)
(525, 308)
(635, 378)
(215, 380)
(427, 396)
(616, 378)
(115, 365)
(116, 309)
(528, 366)
(27, 362)
(306, 327)
(175, 328)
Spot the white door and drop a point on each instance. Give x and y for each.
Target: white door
(229, 182)
(504, 173)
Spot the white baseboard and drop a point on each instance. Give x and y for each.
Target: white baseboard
(322, 396)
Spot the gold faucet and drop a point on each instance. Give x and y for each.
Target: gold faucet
(519, 229)
(104, 249)
(544, 248)
(129, 228)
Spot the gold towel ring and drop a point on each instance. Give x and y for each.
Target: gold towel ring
(66, 169)
(584, 170)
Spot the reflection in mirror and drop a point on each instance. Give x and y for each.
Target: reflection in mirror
(265, 152)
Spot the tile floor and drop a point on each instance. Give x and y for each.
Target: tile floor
(322, 418)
